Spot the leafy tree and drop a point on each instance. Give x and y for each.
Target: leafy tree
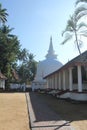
(23, 55)
(27, 68)
(74, 29)
(3, 14)
(9, 50)
(32, 65)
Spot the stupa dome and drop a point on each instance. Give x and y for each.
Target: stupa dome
(49, 65)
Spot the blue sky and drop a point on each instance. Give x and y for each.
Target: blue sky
(34, 21)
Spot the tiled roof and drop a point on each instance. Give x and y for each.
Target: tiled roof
(81, 59)
(2, 76)
(15, 75)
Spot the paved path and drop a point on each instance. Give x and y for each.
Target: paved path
(42, 117)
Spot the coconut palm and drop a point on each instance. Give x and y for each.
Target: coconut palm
(5, 34)
(6, 30)
(3, 14)
(23, 55)
(82, 9)
(78, 1)
(74, 30)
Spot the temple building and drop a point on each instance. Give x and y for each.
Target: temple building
(70, 81)
(46, 67)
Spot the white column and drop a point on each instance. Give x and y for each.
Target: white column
(64, 81)
(70, 79)
(51, 82)
(55, 81)
(47, 83)
(79, 78)
(59, 81)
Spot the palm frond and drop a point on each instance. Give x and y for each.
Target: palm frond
(78, 1)
(84, 34)
(70, 26)
(80, 43)
(81, 25)
(83, 31)
(67, 30)
(80, 9)
(67, 38)
(3, 14)
(82, 14)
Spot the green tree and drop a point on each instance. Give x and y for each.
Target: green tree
(74, 29)
(9, 50)
(27, 68)
(23, 55)
(32, 66)
(3, 14)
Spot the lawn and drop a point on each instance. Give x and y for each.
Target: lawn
(74, 112)
(13, 112)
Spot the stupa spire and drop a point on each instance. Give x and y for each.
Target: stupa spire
(51, 46)
(51, 52)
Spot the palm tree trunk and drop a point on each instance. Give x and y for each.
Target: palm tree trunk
(77, 43)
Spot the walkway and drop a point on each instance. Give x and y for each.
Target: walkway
(13, 111)
(42, 117)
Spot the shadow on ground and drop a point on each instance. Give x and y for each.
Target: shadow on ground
(49, 108)
(41, 109)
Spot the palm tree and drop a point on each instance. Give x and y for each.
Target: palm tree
(5, 32)
(82, 9)
(78, 1)
(3, 15)
(74, 30)
(23, 55)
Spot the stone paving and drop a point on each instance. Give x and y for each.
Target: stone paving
(42, 117)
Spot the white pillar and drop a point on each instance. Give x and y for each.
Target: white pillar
(47, 86)
(79, 78)
(52, 82)
(64, 81)
(59, 81)
(55, 81)
(70, 79)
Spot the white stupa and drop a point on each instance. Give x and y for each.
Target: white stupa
(45, 67)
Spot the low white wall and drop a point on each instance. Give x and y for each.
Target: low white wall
(18, 86)
(14, 86)
(2, 83)
(65, 95)
(28, 86)
(75, 96)
(78, 96)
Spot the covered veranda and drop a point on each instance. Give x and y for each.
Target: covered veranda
(71, 78)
